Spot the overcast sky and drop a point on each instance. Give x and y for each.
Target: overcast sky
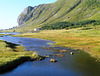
(11, 9)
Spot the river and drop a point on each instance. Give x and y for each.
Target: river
(79, 64)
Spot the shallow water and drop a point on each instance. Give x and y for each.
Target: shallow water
(13, 33)
(79, 64)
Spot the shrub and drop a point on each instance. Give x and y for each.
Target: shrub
(67, 25)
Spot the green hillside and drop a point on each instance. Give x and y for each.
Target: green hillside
(70, 11)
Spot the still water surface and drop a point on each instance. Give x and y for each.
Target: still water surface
(79, 64)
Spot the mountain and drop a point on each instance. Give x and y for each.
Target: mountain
(59, 11)
(25, 15)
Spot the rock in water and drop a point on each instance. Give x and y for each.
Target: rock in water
(53, 60)
(59, 55)
(61, 51)
(19, 41)
(71, 53)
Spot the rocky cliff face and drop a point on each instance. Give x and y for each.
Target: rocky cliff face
(25, 15)
(62, 10)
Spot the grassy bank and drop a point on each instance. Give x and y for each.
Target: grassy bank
(79, 38)
(12, 55)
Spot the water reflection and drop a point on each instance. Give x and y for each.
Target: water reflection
(86, 64)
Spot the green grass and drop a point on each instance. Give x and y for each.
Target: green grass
(87, 39)
(12, 55)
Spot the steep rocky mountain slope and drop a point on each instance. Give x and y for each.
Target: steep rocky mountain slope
(61, 10)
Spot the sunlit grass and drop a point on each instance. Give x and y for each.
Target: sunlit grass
(87, 40)
(8, 54)
(12, 55)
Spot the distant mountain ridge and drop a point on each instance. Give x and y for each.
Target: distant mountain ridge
(59, 11)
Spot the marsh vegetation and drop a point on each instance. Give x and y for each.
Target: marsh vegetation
(84, 38)
(12, 55)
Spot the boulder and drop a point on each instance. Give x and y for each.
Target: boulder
(53, 60)
(71, 53)
(19, 41)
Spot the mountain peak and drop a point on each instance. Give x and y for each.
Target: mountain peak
(22, 18)
(27, 10)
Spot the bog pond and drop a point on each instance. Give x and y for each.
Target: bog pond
(79, 64)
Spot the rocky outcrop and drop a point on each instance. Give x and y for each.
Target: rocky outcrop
(23, 17)
(27, 14)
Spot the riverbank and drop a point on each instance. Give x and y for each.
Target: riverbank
(79, 39)
(12, 55)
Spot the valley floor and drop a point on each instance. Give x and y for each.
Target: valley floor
(87, 40)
